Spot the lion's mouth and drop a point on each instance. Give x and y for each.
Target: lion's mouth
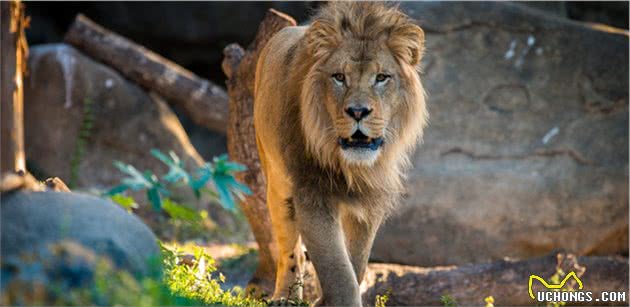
(360, 140)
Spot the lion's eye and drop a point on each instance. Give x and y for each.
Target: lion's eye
(339, 77)
(382, 78)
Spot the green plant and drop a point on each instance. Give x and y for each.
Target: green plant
(84, 134)
(126, 202)
(381, 300)
(448, 300)
(220, 173)
(171, 282)
(200, 282)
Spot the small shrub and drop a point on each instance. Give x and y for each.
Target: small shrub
(448, 301)
(220, 173)
(381, 300)
(200, 281)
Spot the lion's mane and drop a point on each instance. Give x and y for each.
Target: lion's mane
(333, 24)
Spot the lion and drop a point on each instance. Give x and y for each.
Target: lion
(338, 110)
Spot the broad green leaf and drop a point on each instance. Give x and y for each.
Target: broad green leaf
(222, 174)
(223, 166)
(136, 181)
(226, 187)
(180, 212)
(117, 190)
(176, 171)
(204, 174)
(154, 197)
(126, 202)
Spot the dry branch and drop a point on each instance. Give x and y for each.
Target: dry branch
(240, 66)
(204, 102)
(506, 281)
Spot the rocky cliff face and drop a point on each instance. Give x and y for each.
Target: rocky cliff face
(527, 147)
(81, 116)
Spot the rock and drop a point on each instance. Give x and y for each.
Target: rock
(75, 227)
(208, 143)
(558, 9)
(50, 272)
(506, 281)
(81, 116)
(527, 146)
(68, 92)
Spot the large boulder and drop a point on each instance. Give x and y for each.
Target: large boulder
(80, 116)
(37, 224)
(527, 146)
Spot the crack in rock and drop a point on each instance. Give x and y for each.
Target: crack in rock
(505, 98)
(577, 157)
(596, 102)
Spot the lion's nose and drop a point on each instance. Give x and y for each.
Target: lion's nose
(358, 113)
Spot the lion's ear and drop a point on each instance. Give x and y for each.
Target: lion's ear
(321, 38)
(407, 43)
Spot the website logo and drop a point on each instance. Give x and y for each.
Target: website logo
(564, 291)
(548, 286)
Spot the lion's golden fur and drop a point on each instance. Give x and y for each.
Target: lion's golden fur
(301, 120)
(342, 21)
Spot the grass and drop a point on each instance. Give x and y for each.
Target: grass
(448, 300)
(381, 300)
(199, 281)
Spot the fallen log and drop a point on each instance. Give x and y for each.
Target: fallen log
(506, 281)
(204, 102)
(239, 66)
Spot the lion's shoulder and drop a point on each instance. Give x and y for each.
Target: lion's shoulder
(276, 56)
(282, 42)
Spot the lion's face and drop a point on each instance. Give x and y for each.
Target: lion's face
(361, 99)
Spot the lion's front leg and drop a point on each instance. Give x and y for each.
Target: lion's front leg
(290, 257)
(322, 234)
(359, 234)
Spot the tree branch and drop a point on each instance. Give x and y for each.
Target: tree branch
(204, 102)
(240, 67)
